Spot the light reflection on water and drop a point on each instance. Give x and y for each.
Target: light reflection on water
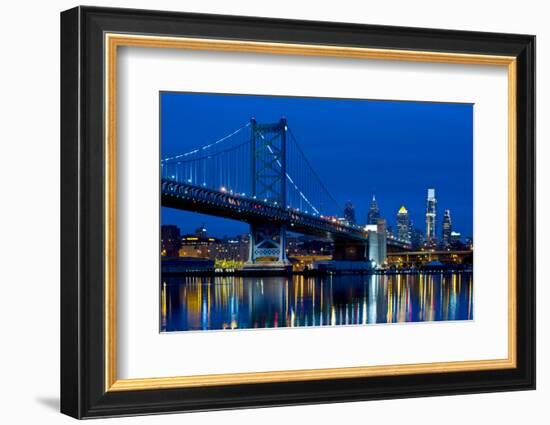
(230, 302)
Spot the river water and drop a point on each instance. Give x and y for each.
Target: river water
(230, 302)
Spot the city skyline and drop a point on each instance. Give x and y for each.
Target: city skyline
(282, 209)
(350, 174)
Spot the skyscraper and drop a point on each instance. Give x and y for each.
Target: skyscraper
(374, 212)
(403, 225)
(349, 212)
(446, 228)
(431, 203)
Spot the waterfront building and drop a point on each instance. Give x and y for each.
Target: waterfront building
(170, 236)
(374, 212)
(231, 249)
(304, 251)
(298, 246)
(431, 204)
(427, 259)
(197, 245)
(403, 225)
(446, 229)
(349, 213)
(293, 245)
(316, 247)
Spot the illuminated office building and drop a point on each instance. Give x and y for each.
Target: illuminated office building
(349, 213)
(374, 212)
(403, 225)
(431, 204)
(446, 229)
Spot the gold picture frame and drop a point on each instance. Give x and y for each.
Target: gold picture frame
(114, 41)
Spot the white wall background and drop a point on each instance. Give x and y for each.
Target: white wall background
(29, 217)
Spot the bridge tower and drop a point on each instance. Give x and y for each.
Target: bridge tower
(267, 247)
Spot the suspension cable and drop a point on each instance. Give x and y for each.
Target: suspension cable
(172, 158)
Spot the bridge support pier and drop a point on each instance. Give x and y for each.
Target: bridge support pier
(267, 249)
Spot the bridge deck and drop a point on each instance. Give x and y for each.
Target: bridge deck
(224, 204)
(190, 197)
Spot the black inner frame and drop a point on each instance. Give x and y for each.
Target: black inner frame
(82, 212)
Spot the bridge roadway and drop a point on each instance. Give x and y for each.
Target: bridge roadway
(191, 197)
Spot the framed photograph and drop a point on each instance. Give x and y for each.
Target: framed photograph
(261, 212)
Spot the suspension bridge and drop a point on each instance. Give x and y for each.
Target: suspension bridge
(259, 174)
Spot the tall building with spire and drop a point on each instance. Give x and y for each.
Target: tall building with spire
(403, 225)
(431, 204)
(374, 212)
(349, 213)
(447, 228)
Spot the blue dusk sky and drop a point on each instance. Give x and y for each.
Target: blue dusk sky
(359, 148)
